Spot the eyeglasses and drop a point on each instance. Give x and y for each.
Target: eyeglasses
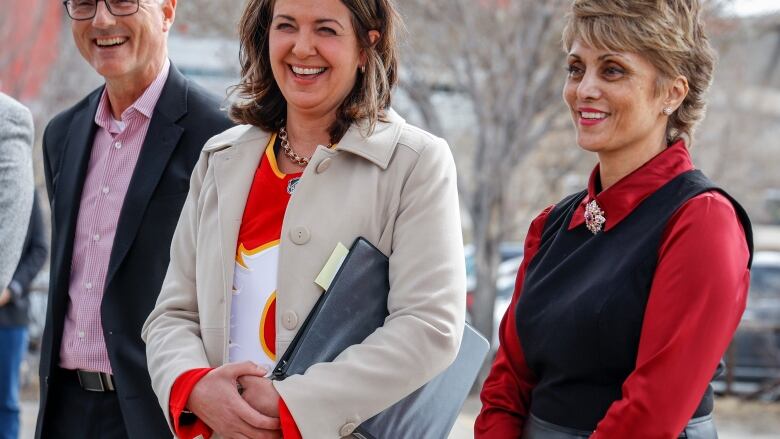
(86, 9)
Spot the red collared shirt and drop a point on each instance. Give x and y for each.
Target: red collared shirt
(674, 362)
(115, 151)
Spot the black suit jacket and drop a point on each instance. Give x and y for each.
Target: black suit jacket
(185, 117)
(34, 251)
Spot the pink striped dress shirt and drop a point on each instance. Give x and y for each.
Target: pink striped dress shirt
(115, 151)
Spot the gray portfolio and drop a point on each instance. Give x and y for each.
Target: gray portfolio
(353, 307)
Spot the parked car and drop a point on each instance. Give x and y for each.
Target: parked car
(507, 250)
(756, 344)
(505, 286)
(755, 357)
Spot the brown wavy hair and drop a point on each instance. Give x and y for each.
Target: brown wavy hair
(262, 103)
(668, 33)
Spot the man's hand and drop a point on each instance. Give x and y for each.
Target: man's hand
(260, 394)
(216, 401)
(5, 297)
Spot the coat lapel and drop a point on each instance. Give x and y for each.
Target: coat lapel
(73, 164)
(234, 172)
(160, 142)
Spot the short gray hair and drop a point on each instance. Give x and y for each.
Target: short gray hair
(668, 33)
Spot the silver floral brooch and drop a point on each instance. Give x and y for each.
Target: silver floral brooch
(594, 217)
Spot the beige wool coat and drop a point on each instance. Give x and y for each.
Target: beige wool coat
(396, 188)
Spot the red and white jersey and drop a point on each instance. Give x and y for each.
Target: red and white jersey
(253, 309)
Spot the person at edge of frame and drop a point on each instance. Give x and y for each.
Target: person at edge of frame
(23, 253)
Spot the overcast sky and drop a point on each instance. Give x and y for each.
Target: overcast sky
(750, 7)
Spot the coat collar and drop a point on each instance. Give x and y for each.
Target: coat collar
(378, 147)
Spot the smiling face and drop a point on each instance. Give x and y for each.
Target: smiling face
(314, 54)
(130, 48)
(614, 100)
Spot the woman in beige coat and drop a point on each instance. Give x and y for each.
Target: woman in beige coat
(320, 160)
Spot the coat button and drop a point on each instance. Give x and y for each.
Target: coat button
(347, 429)
(323, 165)
(300, 235)
(290, 320)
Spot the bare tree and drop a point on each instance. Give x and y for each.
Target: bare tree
(774, 59)
(504, 57)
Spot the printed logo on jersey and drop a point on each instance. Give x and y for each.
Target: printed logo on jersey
(292, 184)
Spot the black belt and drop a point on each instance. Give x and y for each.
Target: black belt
(95, 381)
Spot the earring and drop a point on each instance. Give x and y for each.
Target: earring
(668, 111)
(363, 68)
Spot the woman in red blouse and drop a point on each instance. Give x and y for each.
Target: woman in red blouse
(630, 290)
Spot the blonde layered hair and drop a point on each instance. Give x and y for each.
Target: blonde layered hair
(263, 104)
(668, 33)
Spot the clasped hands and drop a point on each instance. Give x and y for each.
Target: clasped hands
(252, 413)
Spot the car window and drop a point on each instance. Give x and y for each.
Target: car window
(765, 281)
(764, 297)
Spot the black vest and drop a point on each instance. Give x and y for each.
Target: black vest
(580, 315)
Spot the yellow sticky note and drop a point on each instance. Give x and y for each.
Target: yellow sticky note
(332, 266)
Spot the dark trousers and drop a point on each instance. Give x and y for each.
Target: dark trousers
(13, 346)
(75, 413)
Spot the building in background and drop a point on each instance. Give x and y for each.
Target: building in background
(211, 62)
(29, 31)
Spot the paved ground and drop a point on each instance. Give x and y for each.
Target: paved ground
(736, 420)
(29, 412)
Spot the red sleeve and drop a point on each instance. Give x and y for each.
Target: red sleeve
(289, 428)
(695, 304)
(180, 394)
(506, 394)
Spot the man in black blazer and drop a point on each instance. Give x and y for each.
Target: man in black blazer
(117, 168)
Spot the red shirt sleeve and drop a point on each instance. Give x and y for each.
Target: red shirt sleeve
(506, 394)
(180, 394)
(289, 428)
(696, 301)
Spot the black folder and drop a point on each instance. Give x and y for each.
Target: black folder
(352, 308)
